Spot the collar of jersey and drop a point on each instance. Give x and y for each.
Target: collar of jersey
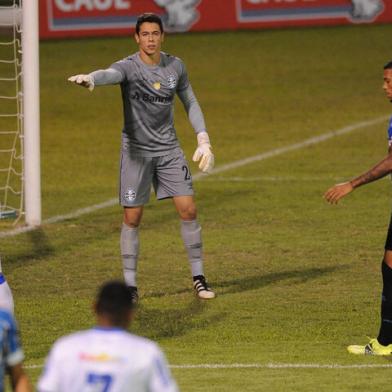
(140, 61)
(108, 329)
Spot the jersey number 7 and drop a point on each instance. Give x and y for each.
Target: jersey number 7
(103, 380)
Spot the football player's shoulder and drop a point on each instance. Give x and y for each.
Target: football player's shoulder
(131, 58)
(72, 340)
(144, 345)
(174, 63)
(127, 61)
(170, 59)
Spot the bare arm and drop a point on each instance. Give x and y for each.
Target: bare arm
(338, 191)
(19, 379)
(380, 170)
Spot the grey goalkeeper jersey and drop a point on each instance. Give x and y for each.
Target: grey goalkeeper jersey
(148, 94)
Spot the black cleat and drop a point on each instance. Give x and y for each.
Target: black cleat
(201, 287)
(133, 295)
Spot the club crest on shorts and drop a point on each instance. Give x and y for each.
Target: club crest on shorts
(172, 81)
(130, 195)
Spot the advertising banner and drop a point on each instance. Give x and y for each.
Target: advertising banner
(77, 18)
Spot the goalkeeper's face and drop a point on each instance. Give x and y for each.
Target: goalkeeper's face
(150, 38)
(387, 85)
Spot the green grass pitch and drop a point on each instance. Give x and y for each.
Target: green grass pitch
(297, 280)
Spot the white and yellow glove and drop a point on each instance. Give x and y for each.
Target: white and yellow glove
(204, 153)
(83, 80)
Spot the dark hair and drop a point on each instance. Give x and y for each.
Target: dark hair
(150, 18)
(388, 65)
(114, 301)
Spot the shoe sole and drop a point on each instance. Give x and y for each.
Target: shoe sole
(361, 350)
(210, 295)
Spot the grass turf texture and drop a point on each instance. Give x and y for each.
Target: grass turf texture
(297, 280)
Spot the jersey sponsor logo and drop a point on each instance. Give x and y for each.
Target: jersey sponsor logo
(181, 15)
(172, 81)
(102, 357)
(130, 195)
(356, 11)
(151, 98)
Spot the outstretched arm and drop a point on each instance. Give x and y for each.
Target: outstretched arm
(196, 118)
(338, 191)
(97, 78)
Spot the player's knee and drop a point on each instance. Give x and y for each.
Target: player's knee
(188, 213)
(132, 218)
(131, 224)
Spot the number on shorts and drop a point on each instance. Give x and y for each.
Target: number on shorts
(103, 380)
(187, 173)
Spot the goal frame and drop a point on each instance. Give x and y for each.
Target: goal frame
(31, 117)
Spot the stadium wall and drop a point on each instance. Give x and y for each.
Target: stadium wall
(76, 18)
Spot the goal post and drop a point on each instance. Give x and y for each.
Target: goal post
(20, 177)
(31, 118)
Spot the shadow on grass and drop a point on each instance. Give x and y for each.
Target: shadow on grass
(40, 248)
(255, 282)
(165, 323)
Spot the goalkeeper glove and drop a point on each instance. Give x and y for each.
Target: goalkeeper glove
(204, 152)
(83, 80)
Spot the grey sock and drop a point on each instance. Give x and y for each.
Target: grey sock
(129, 243)
(191, 235)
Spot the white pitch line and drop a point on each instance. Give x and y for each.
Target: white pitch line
(279, 366)
(296, 146)
(233, 165)
(275, 179)
(276, 366)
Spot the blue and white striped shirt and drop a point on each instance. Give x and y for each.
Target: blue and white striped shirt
(11, 353)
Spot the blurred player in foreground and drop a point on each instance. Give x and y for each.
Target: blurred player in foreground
(382, 345)
(11, 354)
(151, 153)
(6, 298)
(107, 357)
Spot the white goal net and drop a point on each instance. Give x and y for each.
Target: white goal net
(11, 114)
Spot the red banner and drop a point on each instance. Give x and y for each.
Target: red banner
(76, 18)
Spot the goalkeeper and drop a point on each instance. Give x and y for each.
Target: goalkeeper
(150, 151)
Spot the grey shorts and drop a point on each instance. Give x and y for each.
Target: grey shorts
(169, 175)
